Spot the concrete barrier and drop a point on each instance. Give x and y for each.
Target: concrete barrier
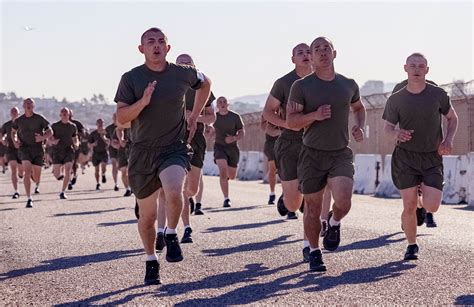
(471, 179)
(386, 188)
(367, 173)
(210, 168)
(251, 165)
(455, 179)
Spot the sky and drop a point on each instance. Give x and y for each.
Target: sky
(77, 49)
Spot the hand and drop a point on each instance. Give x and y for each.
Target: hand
(357, 133)
(38, 138)
(188, 113)
(123, 143)
(148, 92)
(192, 126)
(404, 135)
(4, 142)
(323, 112)
(54, 141)
(445, 148)
(230, 139)
(115, 144)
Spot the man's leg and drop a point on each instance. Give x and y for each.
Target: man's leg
(223, 177)
(57, 171)
(410, 200)
(14, 173)
(198, 209)
(114, 172)
(325, 210)
(312, 228)
(67, 175)
(341, 188)
(161, 219)
(291, 195)
(27, 168)
(103, 166)
(272, 181)
(36, 171)
(190, 189)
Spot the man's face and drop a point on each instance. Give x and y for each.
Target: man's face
(184, 59)
(28, 105)
(14, 113)
(64, 114)
(301, 55)
(416, 68)
(154, 46)
(99, 123)
(322, 53)
(222, 103)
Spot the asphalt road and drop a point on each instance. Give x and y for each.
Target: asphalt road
(86, 250)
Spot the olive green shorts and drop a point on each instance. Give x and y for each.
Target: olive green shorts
(287, 151)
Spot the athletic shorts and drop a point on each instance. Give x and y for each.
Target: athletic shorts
(12, 154)
(84, 149)
(99, 157)
(269, 147)
(63, 156)
(113, 153)
(198, 144)
(287, 151)
(410, 169)
(229, 152)
(33, 154)
(316, 166)
(3, 149)
(146, 164)
(123, 157)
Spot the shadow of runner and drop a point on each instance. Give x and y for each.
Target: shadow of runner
(258, 246)
(212, 210)
(243, 226)
(134, 221)
(65, 263)
(86, 212)
(375, 243)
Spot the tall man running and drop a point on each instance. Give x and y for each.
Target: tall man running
(65, 141)
(113, 150)
(151, 96)
(320, 103)
(99, 143)
(123, 136)
(12, 152)
(77, 151)
(416, 159)
(229, 128)
(29, 131)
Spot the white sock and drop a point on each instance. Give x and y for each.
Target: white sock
(305, 243)
(170, 231)
(226, 198)
(272, 193)
(187, 226)
(162, 230)
(333, 222)
(313, 249)
(29, 198)
(151, 257)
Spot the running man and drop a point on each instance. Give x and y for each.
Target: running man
(28, 133)
(151, 97)
(77, 151)
(113, 149)
(12, 151)
(272, 133)
(417, 157)
(64, 141)
(84, 152)
(123, 137)
(98, 142)
(320, 103)
(229, 128)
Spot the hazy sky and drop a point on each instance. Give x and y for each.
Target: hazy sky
(80, 48)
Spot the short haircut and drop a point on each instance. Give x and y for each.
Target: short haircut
(417, 54)
(155, 30)
(29, 100)
(321, 37)
(185, 55)
(294, 48)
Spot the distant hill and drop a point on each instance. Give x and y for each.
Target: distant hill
(248, 104)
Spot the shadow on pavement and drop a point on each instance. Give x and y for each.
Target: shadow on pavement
(95, 198)
(243, 226)
(375, 243)
(467, 300)
(466, 208)
(86, 212)
(65, 263)
(258, 246)
(134, 221)
(8, 209)
(231, 209)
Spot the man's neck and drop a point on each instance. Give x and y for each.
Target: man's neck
(302, 71)
(158, 66)
(29, 114)
(223, 112)
(415, 86)
(64, 121)
(325, 73)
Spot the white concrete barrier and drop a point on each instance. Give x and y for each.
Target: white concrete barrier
(470, 179)
(366, 173)
(455, 179)
(386, 187)
(210, 168)
(251, 165)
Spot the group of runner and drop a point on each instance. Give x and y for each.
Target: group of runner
(168, 108)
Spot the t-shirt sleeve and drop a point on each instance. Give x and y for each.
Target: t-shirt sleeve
(390, 112)
(91, 138)
(15, 125)
(125, 91)
(75, 130)
(444, 103)
(44, 123)
(239, 124)
(80, 128)
(296, 94)
(399, 86)
(356, 95)
(193, 77)
(210, 100)
(277, 91)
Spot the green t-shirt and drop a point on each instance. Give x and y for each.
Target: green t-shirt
(64, 132)
(226, 125)
(281, 91)
(312, 92)
(421, 113)
(162, 122)
(101, 146)
(27, 127)
(190, 97)
(404, 83)
(7, 130)
(110, 132)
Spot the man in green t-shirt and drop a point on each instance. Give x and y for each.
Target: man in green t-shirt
(417, 157)
(113, 149)
(29, 131)
(151, 97)
(77, 151)
(320, 103)
(99, 142)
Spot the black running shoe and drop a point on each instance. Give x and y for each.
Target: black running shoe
(116, 188)
(227, 203)
(292, 216)
(271, 199)
(104, 180)
(324, 228)
(173, 250)
(198, 210)
(191, 205)
(306, 254)
(69, 186)
(187, 236)
(281, 206)
(137, 210)
(37, 190)
(29, 203)
(97, 187)
(412, 252)
(62, 195)
(302, 207)
(152, 273)
(128, 193)
(333, 236)
(316, 263)
(16, 195)
(73, 180)
(420, 216)
(429, 220)
(160, 242)
(60, 177)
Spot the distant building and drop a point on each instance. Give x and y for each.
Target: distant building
(372, 87)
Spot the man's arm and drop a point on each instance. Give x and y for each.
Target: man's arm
(270, 112)
(202, 95)
(208, 117)
(126, 113)
(399, 135)
(296, 120)
(452, 126)
(359, 115)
